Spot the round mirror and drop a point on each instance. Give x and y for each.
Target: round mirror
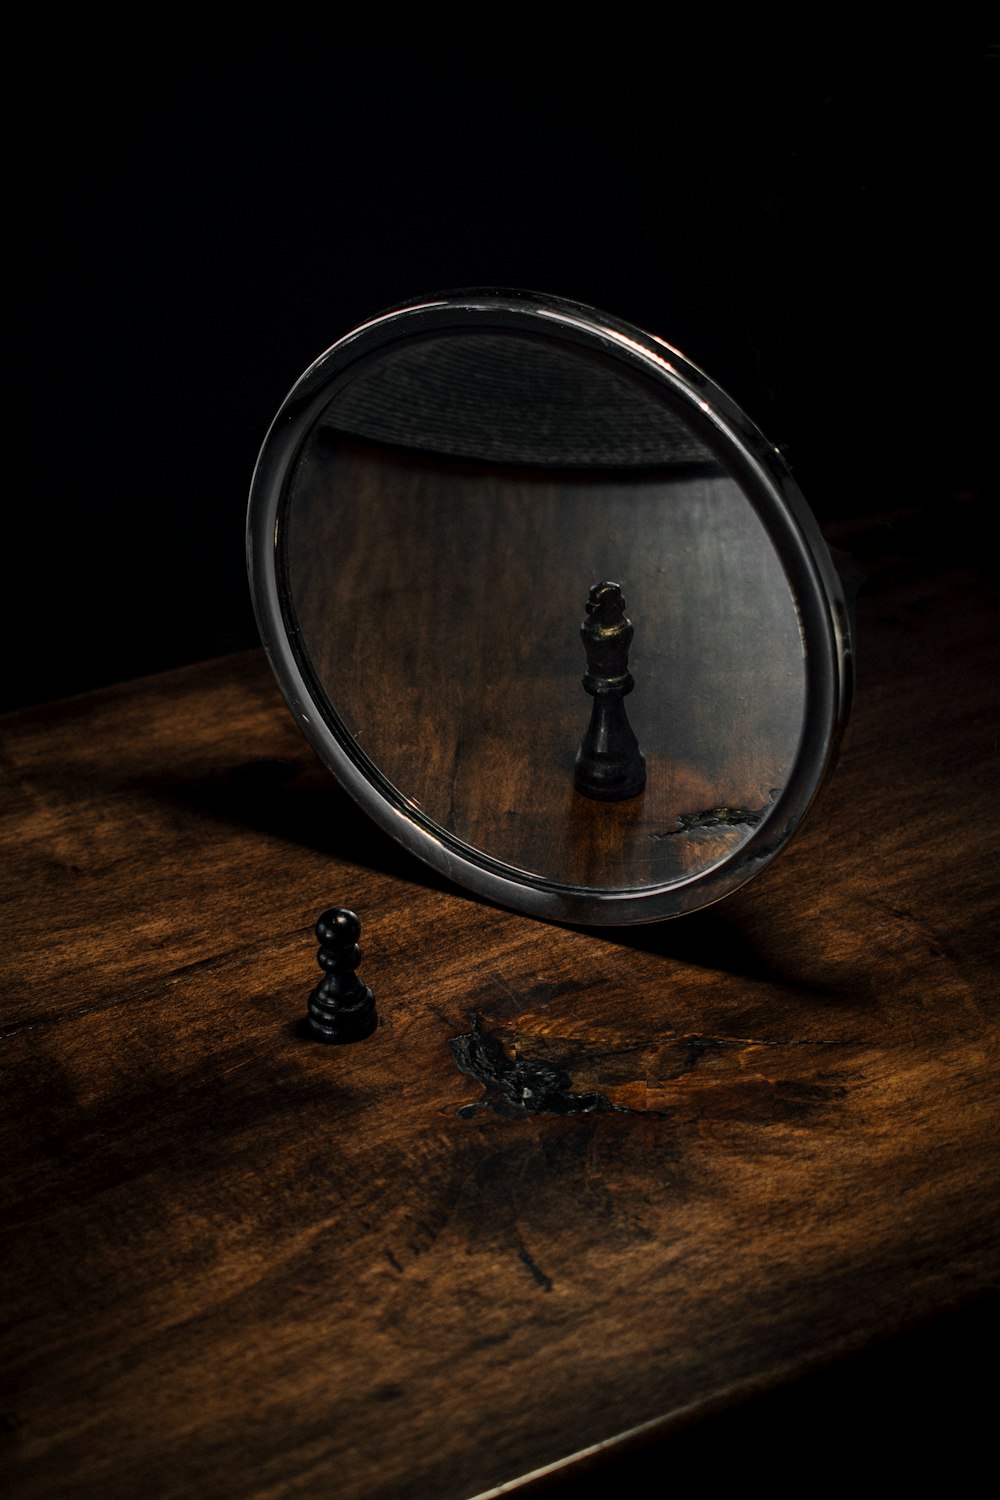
(548, 606)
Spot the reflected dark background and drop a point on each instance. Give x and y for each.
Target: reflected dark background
(201, 220)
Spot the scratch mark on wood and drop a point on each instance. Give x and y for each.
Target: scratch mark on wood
(698, 1045)
(545, 1282)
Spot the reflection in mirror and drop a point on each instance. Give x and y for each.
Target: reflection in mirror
(445, 520)
(609, 763)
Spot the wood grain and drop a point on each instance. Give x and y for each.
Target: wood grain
(238, 1264)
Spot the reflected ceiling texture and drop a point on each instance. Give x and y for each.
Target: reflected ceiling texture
(438, 519)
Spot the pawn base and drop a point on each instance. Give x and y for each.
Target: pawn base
(340, 1023)
(613, 789)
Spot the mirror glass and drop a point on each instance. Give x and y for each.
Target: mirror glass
(442, 524)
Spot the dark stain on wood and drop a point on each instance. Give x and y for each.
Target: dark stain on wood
(527, 1067)
(719, 817)
(515, 1086)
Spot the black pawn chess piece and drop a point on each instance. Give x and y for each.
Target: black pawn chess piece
(341, 1007)
(609, 764)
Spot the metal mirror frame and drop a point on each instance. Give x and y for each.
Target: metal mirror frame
(766, 483)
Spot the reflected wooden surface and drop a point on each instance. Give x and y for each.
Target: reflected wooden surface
(237, 1264)
(455, 660)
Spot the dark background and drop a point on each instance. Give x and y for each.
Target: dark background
(807, 222)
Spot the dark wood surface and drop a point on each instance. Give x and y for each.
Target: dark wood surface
(241, 1264)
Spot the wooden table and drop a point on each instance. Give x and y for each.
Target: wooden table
(242, 1264)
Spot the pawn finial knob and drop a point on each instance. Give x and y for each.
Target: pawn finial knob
(341, 1007)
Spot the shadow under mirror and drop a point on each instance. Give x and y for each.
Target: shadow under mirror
(443, 525)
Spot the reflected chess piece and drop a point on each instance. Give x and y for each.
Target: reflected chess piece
(341, 1007)
(609, 764)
